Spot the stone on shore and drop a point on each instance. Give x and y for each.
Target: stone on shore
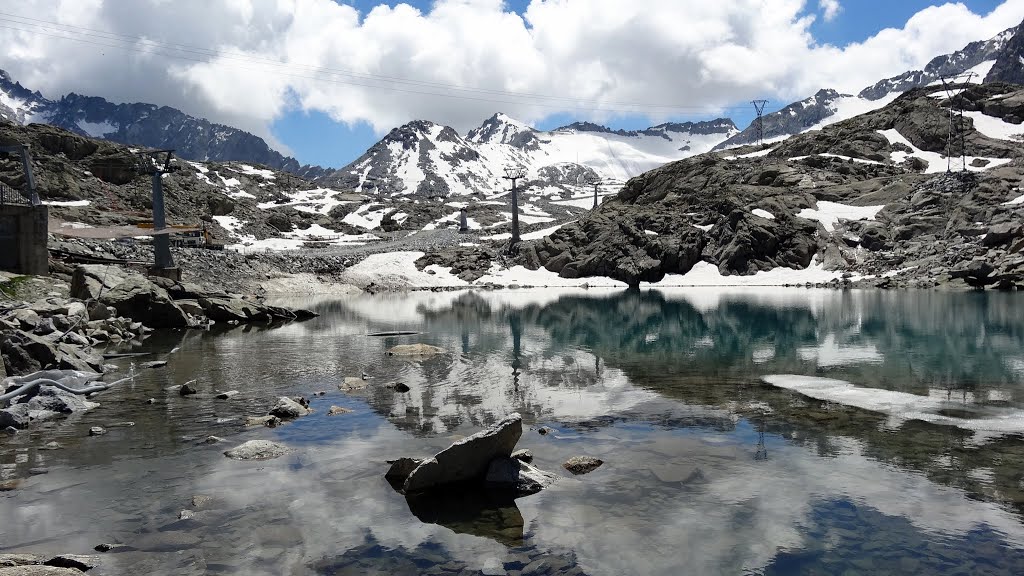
(39, 571)
(257, 450)
(467, 459)
(8, 560)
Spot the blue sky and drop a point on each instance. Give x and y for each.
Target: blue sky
(316, 139)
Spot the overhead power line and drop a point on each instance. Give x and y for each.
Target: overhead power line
(333, 75)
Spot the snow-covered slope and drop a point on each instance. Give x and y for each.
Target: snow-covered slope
(828, 106)
(430, 160)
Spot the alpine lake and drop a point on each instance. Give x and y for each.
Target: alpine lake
(708, 469)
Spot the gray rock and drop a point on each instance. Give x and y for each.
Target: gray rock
(523, 455)
(154, 364)
(288, 409)
(39, 571)
(75, 561)
(57, 400)
(227, 395)
(188, 389)
(143, 301)
(78, 311)
(400, 469)
(1002, 234)
(99, 311)
(582, 464)
(468, 458)
(518, 476)
(97, 431)
(337, 410)
(111, 547)
(257, 450)
(8, 560)
(234, 309)
(268, 421)
(27, 318)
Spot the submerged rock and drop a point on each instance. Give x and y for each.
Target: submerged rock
(582, 464)
(268, 421)
(336, 410)
(257, 450)
(415, 350)
(467, 459)
(352, 383)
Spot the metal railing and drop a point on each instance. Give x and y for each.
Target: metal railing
(10, 196)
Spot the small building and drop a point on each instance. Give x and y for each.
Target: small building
(23, 239)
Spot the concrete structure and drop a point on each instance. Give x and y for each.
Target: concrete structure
(23, 239)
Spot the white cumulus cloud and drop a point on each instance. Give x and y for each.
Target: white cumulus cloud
(829, 9)
(247, 62)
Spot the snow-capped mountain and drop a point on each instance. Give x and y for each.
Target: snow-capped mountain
(146, 125)
(829, 106)
(431, 160)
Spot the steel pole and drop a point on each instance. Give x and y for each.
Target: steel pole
(161, 240)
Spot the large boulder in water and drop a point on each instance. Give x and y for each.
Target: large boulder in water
(469, 458)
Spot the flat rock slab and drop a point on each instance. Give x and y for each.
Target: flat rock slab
(39, 571)
(257, 450)
(421, 350)
(154, 364)
(8, 560)
(467, 459)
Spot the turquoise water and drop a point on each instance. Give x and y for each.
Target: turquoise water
(708, 470)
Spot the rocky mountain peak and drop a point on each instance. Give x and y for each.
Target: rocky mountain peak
(973, 56)
(706, 127)
(1009, 65)
(499, 129)
(145, 125)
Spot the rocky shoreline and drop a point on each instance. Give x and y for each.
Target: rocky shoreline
(105, 307)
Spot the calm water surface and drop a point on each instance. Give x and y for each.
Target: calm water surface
(708, 470)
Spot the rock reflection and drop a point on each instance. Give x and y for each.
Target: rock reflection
(488, 513)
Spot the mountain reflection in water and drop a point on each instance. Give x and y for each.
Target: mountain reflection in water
(708, 470)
